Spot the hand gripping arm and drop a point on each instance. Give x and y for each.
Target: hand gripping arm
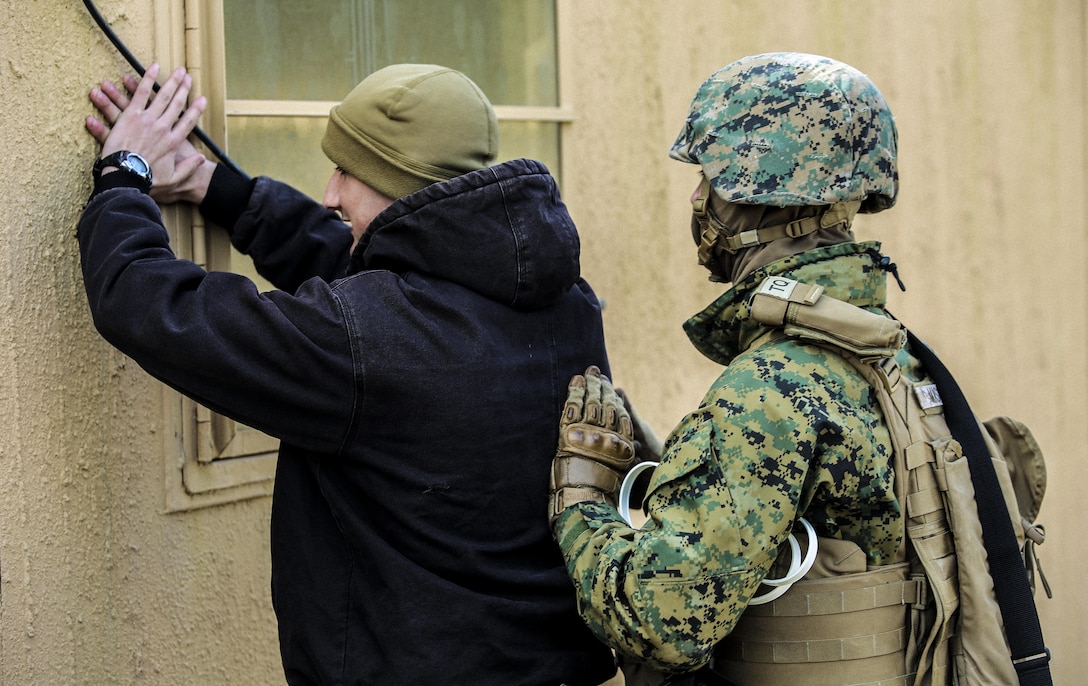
(596, 444)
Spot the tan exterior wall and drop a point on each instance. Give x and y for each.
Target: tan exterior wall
(98, 585)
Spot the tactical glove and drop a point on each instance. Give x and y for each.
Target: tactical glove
(596, 443)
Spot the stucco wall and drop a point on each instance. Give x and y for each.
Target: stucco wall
(98, 585)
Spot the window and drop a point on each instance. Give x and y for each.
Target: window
(287, 63)
(272, 70)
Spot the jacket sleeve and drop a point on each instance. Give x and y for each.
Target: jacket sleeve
(669, 592)
(278, 362)
(732, 479)
(289, 237)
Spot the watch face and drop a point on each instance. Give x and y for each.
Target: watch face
(137, 164)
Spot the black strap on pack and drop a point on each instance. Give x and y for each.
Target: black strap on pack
(1030, 656)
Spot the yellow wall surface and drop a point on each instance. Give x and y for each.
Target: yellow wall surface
(99, 585)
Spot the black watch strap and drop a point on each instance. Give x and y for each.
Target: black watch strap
(128, 163)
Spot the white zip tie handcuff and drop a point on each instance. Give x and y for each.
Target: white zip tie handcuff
(623, 499)
(798, 566)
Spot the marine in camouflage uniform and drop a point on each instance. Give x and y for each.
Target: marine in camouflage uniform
(790, 146)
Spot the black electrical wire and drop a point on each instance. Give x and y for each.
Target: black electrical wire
(135, 64)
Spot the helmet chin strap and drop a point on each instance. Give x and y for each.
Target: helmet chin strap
(713, 237)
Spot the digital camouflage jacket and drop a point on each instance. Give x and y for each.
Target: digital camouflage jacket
(786, 429)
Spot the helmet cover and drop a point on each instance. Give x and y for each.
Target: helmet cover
(789, 129)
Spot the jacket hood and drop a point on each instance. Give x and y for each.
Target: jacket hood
(502, 232)
(848, 271)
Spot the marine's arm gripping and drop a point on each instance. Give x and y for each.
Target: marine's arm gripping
(730, 484)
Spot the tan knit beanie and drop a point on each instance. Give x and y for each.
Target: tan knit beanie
(407, 126)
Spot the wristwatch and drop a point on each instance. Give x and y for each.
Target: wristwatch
(128, 162)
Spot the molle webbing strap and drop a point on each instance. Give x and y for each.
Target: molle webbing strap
(913, 418)
(834, 630)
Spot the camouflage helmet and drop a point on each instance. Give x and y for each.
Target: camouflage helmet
(788, 129)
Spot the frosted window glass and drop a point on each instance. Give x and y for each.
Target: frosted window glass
(320, 49)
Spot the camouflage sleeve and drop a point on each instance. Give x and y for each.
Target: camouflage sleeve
(734, 475)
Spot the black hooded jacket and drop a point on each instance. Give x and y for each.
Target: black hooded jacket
(417, 401)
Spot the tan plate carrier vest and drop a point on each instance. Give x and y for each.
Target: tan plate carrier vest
(930, 618)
